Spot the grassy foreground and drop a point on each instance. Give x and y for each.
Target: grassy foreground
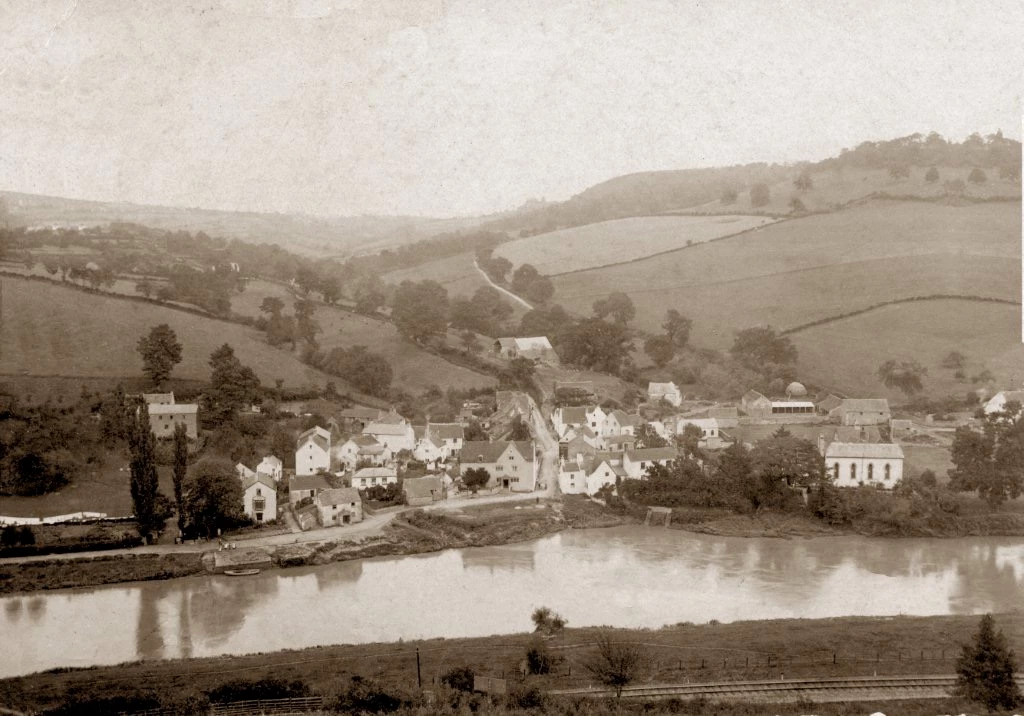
(742, 650)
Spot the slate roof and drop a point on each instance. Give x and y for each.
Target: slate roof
(482, 451)
(176, 409)
(363, 441)
(533, 343)
(320, 437)
(375, 472)
(574, 415)
(888, 451)
(338, 496)
(357, 413)
(865, 405)
(625, 419)
(655, 454)
(160, 398)
(661, 388)
(259, 478)
(447, 431)
(419, 487)
(386, 429)
(308, 482)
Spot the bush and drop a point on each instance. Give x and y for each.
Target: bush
(366, 695)
(525, 698)
(538, 660)
(460, 678)
(249, 689)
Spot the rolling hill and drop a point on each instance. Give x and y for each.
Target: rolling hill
(53, 330)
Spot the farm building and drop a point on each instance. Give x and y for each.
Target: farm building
(998, 402)
(756, 405)
(420, 491)
(862, 411)
(356, 418)
(792, 407)
(827, 404)
(855, 464)
(536, 348)
(668, 392)
(339, 506)
(164, 418)
(636, 462)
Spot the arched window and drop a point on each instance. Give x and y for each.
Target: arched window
(835, 471)
(888, 471)
(871, 471)
(853, 471)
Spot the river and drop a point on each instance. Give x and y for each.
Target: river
(628, 576)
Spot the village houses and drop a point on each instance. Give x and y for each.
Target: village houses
(636, 462)
(339, 506)
(374, 477)
(511, 465)
(393, 432)
(588, 474)
(998, 402)
(590, 416)
(619, 422)
(313, 451)
(259, 498)
(537, 348)
(438, 442)
(302, 486)
(361, 449)
(272, 467)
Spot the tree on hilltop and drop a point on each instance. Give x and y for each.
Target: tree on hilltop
(760, 195)
(803, 182)
(904, 375)
(160, 351)
(977, 176)
(617, 305)
(932, 175)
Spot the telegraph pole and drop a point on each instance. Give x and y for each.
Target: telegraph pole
(419, 677)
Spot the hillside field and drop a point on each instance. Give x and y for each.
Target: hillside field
(802, 270)
(456, 273)
(846, 354)
(620, 240)
(836, 188)
(49, 329)
(414, 369)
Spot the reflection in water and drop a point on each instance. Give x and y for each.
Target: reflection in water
(631, 577)
(491, 559)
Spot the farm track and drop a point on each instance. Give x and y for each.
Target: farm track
(857, 688)
(505, 291)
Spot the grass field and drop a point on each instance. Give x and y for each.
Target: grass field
(611, 242)
(837, 188)
(845, 354)
(99, 488)
(414, 369)
(802, 270)
(927, 457)
(456, 273)
(49, 329)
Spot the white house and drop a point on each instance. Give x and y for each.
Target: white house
(664, 391)
(244, 473)
(164, 418)
(426, 450)
(587, 475)
(313, 451)
(997, 403)
(272, 467)
(854, 464)
(636, 462)
(511, 465)
(619, 422)
(395, 436)
(361, 449)
(450, 436)
(374, 477)
(591, 416)
(259, 498)
(710, 435)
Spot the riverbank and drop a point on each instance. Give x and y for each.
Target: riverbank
(776, 649)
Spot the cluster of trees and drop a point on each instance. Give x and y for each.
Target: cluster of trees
(530, 284)
(907, 376)
(281, 328)
(739, 479)
(764, 352)
(210, 290)
(993, 151)
(485, 312)
(367, 371)
(426, 250)
(661, 348)
(991, 461)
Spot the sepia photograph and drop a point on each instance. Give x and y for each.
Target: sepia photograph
(511, 357)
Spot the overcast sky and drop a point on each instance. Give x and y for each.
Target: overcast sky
(464, 106)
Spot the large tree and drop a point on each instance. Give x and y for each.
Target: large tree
(420, 310)
(764, 351)
(617, 305)
(616, 663)
(780, 462)
(213, 496)
(597, 344)
(144, 480)
(677, 327)
(905, 375)
(232, 384)
(760, 195)
(160, 351)
(659, 349)
(991, 461)
(985, 669)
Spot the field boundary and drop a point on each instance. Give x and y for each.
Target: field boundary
(671, 251)
(896, 301)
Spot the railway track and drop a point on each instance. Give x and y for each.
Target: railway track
(854, 688)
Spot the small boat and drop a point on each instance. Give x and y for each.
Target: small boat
(241, 572)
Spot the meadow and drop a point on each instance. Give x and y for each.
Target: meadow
(49, 329)
(456, 273)
(620, 240)
(414, 369)
(846, 353)
(802, 270)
